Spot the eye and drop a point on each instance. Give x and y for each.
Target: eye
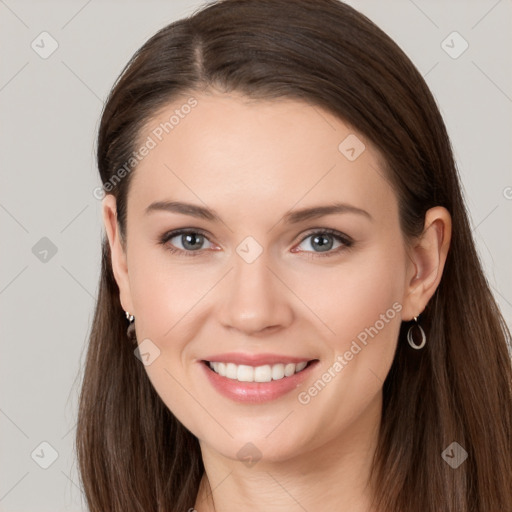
(322, 242)
(191, 241)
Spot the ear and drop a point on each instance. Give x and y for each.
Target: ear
(117, 252)
(427, 259)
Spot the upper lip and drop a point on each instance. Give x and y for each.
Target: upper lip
(255, 359)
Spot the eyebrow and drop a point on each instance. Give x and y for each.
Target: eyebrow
(291, 217)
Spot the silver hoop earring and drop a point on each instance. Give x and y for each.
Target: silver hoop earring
(410, 338)
(130, 332)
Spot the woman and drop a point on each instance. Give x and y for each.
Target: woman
(332, 343)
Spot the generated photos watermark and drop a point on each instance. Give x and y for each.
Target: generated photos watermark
(157, 135)
(343, 360)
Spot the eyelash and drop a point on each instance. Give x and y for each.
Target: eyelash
(341, 237)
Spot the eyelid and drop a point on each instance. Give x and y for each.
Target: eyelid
(329, 231)
(346, 240)
(164, 239)
(346, 243)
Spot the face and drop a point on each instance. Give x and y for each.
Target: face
(307, 304)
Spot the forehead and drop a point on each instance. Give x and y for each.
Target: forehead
(230, 150)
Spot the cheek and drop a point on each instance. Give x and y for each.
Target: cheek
(167, 299)
(353, 296)
(163, 293)
(363, 312)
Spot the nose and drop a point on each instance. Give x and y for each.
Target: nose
(255, 300)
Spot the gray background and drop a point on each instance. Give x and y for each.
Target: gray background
(50, 113)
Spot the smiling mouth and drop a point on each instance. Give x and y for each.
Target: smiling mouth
(264, 373)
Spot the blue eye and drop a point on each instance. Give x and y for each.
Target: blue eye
(192, 241)
(322, 239)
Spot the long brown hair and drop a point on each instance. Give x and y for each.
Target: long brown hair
(133, 454)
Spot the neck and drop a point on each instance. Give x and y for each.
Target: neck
(334, 476)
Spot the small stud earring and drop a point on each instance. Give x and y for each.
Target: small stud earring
(130, 332)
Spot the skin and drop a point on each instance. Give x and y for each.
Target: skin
(253, 162)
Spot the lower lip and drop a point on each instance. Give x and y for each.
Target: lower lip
(256, 392)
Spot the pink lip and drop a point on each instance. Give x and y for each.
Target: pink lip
(255, 359)
(256, 392)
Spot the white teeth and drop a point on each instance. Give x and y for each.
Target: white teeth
(277, 371)
(245, 373)
(221, 369)
(231, 371)
(301, 366)
(289, 370)
(265, 373)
